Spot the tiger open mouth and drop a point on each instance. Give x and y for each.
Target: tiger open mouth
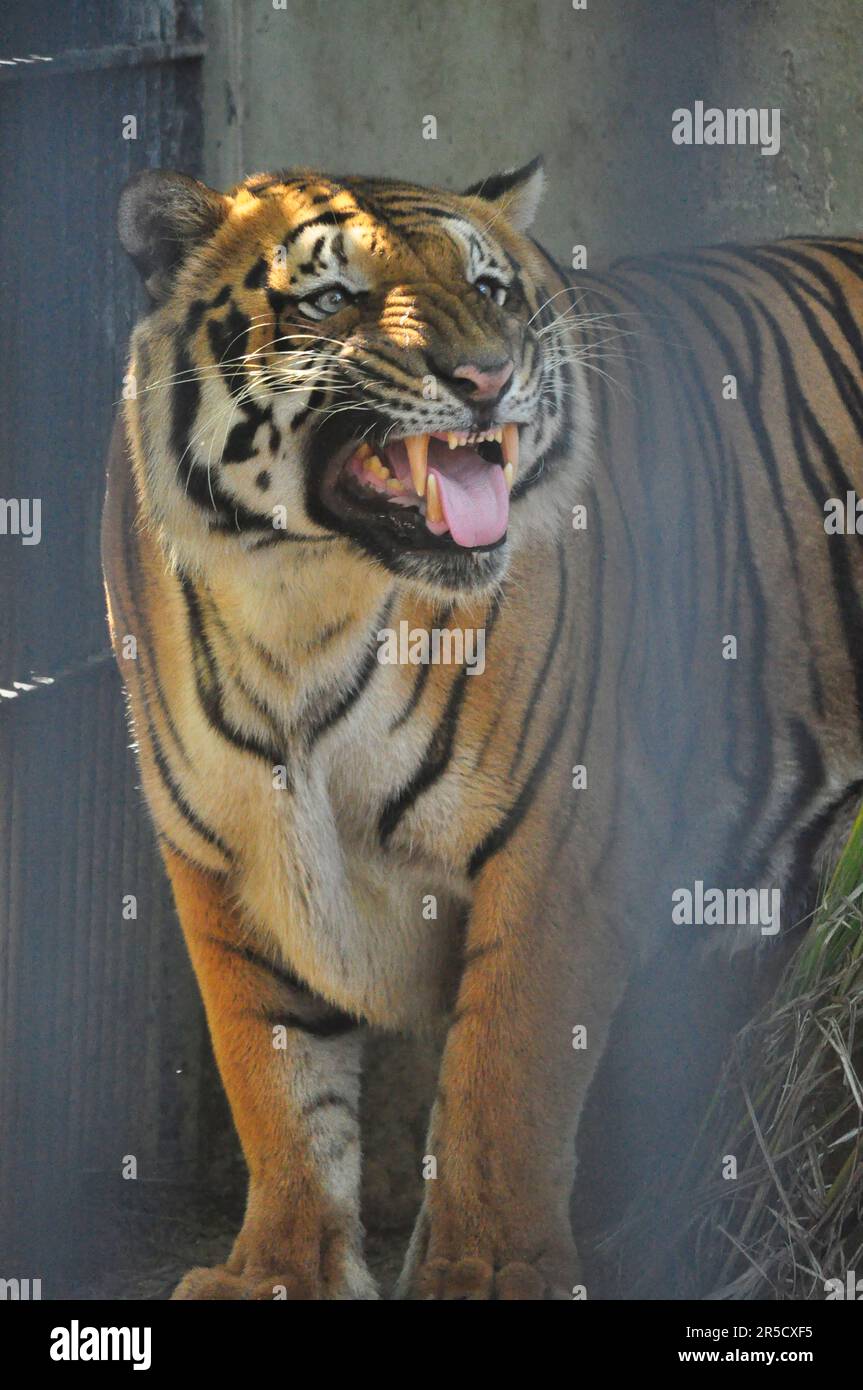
(451, 488)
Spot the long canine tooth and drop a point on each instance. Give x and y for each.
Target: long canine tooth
(417, 446)
(434, 510)
(509, 474)
(452, 439)
(509, 444)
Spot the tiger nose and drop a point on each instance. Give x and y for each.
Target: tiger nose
(487, 382)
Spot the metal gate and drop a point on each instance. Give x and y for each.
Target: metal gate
(103, 1054)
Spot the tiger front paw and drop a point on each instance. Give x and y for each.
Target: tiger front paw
(472, 1279)
(310, 1282)
(442, 1265)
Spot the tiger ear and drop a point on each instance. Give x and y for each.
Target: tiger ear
(161, 216)
(514, 194)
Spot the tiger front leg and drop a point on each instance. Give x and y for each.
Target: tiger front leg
(500, 1157)
(290, 1065)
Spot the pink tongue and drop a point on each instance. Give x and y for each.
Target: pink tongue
(474, 497)
(473, 494)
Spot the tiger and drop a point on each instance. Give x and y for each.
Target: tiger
(360, 414)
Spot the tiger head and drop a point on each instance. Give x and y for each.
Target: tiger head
(350, 361)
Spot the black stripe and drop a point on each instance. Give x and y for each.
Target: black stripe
(329, 1023)
(202, 487)
(163, 768)
(803, 420)
(594, 637)
(258, 703)
(422, 677)
(185, 398)
(415, 697)
(846, 387)
(239, 445)
(178, 797)
(439, 751)
(811, 837)
(148, 668)
(229, 341)
(837, 305)
(209, 686)
(316, 399)
(542, 673)
(851, 259)
(164, 838)
(332, 218)
(334, 1025)
(811, 776)
(257, 275)
(330, 1099)
(366, 670)
(175, 793)
(295, 537)
(283, 973)
(512, 819)
(751, 399)
(755, 771)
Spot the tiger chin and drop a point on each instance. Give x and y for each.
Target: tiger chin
(356, 404)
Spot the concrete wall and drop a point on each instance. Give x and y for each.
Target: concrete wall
(345, 84)
(806, 59)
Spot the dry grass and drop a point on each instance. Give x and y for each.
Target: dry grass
(789, 1111)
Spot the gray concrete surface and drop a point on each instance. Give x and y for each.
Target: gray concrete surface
(346, 84)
